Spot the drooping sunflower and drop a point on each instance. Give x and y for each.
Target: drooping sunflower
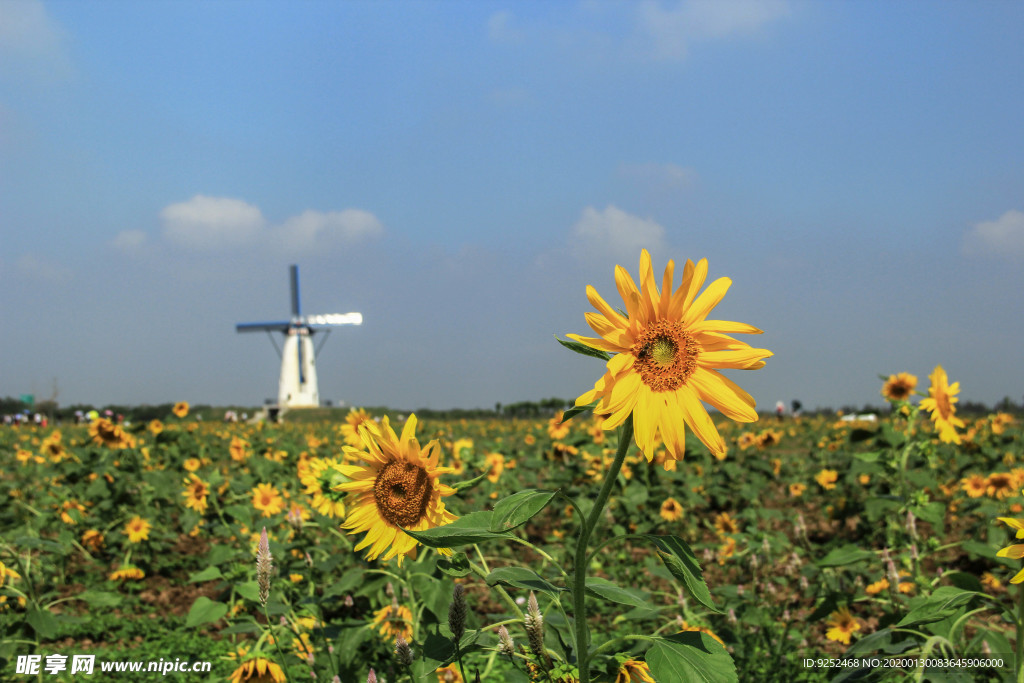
(137, 529)
(180, 409)
(396, 487)
(671, 510)
(667, 358)
(258, 670)
(127, 573)
(267, 499)
(633, 671)
(899, 387)
(1015, 551)
(841, 625)
(941, 397)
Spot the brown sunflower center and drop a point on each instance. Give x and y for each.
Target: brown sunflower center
(666, 355)
(402, 491)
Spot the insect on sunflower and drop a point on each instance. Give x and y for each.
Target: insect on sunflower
(667, 355)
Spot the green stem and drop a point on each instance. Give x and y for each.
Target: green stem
(579, 605)
(1018, 661)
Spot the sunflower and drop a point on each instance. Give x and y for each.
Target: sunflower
(1000, 485)
(841, 625)
(768, 438)
(827, 479)
(155, 427)
(258, 670)
(671, 510)
(393, 621)
(137, 529)
(6, 572)
(92, 539)
(700, 629)
(319, 477)
(495, 466)
(106, 433)
(267, 499)
(195, 493)
(725, 524)
(877, 587)
(180, 409)
(556, 428)
(797, 489)
(899, 387)
(667, 357)
(974, 485)
(1015, 551)
(350, 430)
(127, 573)
(239, 449)
(941, 397)
(633, 671)
(396, 487)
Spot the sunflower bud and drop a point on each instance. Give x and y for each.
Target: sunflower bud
(263, 566)
(457, 613)
(505, 644)
(403, 652)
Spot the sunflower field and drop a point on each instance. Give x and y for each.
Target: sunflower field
(637, 536)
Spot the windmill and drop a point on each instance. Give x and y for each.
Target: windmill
(297, 387)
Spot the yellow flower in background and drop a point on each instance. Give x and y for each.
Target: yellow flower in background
(667, 357)
(1000, 485)
(180, 409)
(1000, 421)
(191, 464)
(797, 489)
(941, 397)
(127, 573)
(106, 433)
(449, 674)
(841, 625)
(350, 430)
(974, 485)
(899, 387)
(258, 670)
(827, 479)
(633, 671)
(671, 510)
(7, 573)
(239, 449)
(877, 587)
(495, 466)
(397, 486)
(137, 530)
(92, 539)
(195, 493)
(155, 427)
(556, 428)
(267, 499)
(725, 524)
(394, 621)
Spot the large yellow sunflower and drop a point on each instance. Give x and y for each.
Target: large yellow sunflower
(258, 670)
(667, 357)
(350, 430)
(941, 397)
(395, 487)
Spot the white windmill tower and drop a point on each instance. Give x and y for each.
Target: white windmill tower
(297, 387)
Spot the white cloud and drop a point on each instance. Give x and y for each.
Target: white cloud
(665, 33)
(212, 222)
(129, 240)
(31, 44)
(1001, 237)
(311, 228)
(614, 232)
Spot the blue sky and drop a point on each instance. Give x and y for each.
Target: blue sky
(460, 171)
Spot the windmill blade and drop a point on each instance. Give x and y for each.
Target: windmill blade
(296, 311)
(273, 326)
(321, 322)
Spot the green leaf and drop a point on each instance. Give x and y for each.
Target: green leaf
(870, 456)
(681, 561)
(99, 598)
(848, 554)
(469, 483)
(605, 589)
(576, 410)
(472, 528)
(520, 577)
(688, 657)
(943, 603)
(457, 565)
(519, 508)
(979, 548)
(208, 574)
(250, 590)
(583, 349)
(42, 622)
(204, 611)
